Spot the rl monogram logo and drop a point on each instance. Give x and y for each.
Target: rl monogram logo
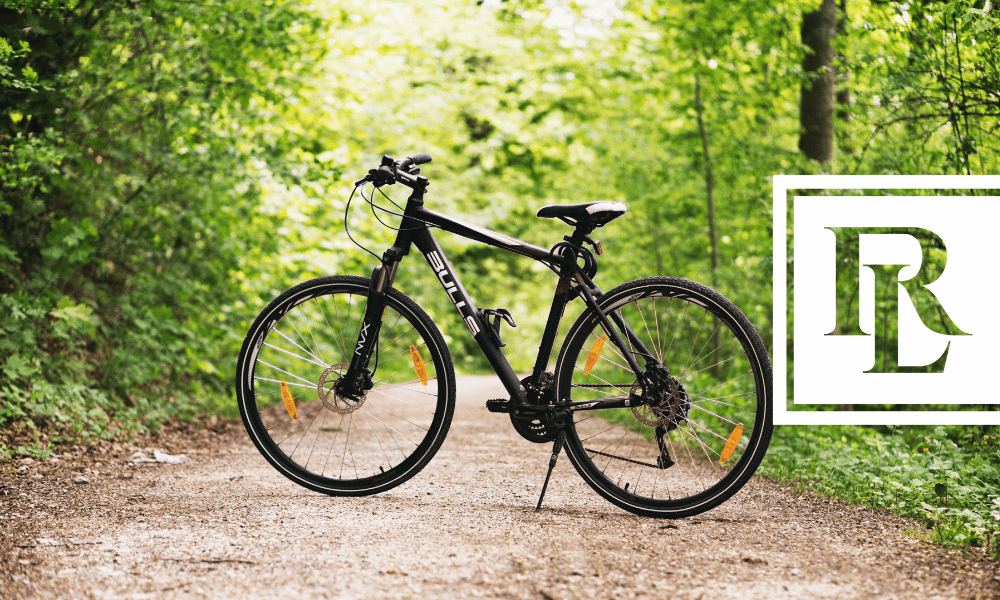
(885, 299)
(887, 295)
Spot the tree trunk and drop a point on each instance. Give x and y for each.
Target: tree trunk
(816, 108)
(843, 94)
(709, 180)
(710, 194)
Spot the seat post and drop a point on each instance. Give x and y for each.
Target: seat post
(580, 234)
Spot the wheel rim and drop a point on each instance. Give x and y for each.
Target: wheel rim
(323, 441)
(717, 376)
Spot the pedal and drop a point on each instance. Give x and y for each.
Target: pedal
(499, 405)
(486, 314)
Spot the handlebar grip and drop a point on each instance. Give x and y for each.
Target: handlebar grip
(416, 159)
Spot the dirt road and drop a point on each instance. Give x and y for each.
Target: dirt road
(226, 525)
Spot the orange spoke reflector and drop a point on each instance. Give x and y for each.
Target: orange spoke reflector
(730, 447)
(286, 395)
(418, 364)
(595, 353)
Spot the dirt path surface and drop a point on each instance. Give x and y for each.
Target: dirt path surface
(226, 525)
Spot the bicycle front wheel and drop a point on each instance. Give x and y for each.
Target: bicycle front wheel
(295, 351)
(709, 428)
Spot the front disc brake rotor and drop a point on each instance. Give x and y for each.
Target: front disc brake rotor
(328, 393)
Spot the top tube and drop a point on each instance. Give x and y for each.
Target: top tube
(485, 236)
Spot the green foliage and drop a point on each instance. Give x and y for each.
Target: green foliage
(132, 140)
(945, 477)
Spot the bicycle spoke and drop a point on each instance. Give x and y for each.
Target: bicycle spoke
(656, 320)
(326, 415)
(721, 362)
(710, 353)
(611, 384)
(396, 385)
(343, 351)
(379, 442)
(378, 391)
(708, 340)
(397, 416)
(614, 349)
(301, 337)
(659, 358)
(295, 355)
(733, 423)
(704, 317)
(340, 326)
(292, 384)
(285, 372)
(333, 444)
(393, 428)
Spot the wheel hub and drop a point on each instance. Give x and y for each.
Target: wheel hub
(327, 391)
(669, 405)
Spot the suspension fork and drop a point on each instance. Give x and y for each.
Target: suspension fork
(357, 380)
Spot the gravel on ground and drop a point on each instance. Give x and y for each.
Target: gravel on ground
(226, 525)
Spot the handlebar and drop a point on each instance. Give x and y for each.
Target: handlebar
(402, 171)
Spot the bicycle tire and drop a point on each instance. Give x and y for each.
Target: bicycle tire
(369, 446)
(723, 387)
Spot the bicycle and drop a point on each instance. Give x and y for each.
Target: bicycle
(660, 393)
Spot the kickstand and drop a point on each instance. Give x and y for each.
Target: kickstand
(552, 463)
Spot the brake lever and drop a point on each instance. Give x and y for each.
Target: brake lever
(382, 176)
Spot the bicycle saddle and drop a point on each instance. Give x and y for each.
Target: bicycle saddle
(588, 214)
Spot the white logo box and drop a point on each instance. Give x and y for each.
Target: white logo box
(830, 369)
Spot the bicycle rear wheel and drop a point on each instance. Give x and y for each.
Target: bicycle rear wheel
(294, 352)
(711, 425)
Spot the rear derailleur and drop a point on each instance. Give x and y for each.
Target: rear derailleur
(664, 406)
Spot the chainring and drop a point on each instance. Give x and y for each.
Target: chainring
(536, 428)
(329, 396)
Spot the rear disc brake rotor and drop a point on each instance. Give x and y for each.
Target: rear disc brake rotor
(671, 404)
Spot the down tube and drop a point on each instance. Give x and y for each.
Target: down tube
(439, 263)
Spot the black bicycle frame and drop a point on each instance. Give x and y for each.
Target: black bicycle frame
(415, 230)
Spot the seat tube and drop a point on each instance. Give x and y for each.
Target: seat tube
(559, 301)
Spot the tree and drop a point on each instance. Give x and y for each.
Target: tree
(132, 140)
(816, 107)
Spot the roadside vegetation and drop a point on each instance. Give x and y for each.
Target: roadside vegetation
(947, 478)
(167, 168)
